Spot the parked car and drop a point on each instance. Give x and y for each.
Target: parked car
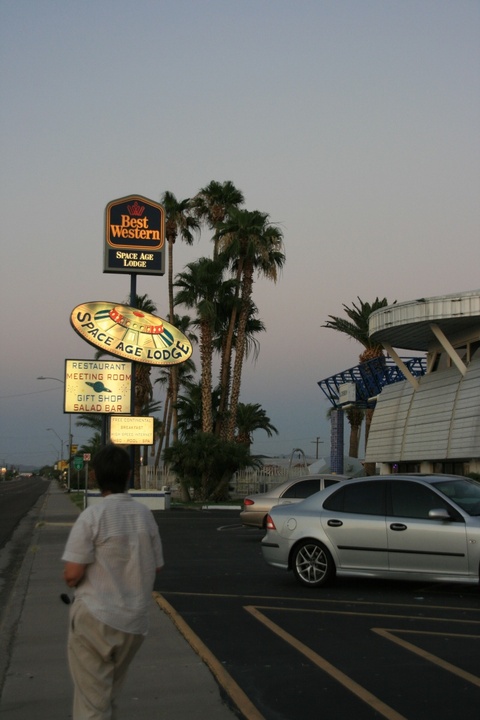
(413, 527)
(257, 506)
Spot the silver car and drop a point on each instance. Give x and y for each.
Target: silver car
(411, 527)
(257, 506)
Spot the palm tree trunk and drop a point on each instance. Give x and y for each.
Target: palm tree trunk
(239, 352)
(206, 361)
(226, 365)
(368, 467)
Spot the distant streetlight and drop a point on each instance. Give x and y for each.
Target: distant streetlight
(43, 377)
(61, 441)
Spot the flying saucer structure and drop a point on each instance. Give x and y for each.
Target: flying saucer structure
(429, 422)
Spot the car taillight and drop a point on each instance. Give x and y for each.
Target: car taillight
(269, 524)
(247, 501)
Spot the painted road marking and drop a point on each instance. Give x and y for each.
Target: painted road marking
(385, 710)
(389, 634)
(241, 700)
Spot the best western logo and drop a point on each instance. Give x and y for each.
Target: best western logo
(135, 225)
(134, 228)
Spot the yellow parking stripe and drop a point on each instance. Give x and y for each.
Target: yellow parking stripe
(237, 695)
(327, 667)
(388, 634)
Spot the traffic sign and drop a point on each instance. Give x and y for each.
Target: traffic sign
(78, 463)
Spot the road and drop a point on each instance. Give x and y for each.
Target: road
(360, 649)
(16, 499)
(20, 502)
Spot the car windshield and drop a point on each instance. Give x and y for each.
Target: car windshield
(463, 492)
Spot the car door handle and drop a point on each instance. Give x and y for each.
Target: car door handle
(398, 526)
(334, 523)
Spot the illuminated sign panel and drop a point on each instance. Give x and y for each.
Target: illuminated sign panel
(130, 333)
(98, 386)
(131, 430)
(134, 236)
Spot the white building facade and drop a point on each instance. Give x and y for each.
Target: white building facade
(430, 423)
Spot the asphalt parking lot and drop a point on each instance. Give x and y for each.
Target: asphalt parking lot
(358, 649)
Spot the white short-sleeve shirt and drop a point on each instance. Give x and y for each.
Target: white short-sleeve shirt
(118, 539)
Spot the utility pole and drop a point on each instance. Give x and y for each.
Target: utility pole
(317, 442)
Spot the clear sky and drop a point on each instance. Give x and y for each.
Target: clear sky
(353, 123)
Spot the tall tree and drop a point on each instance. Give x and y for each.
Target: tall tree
(212, 203)
(201, 286)
(251, 417)
(190, 409)
(355, 417)
(356, 327)
(179, 222)
(185, 372)
(222, 338)
(143, 385)
(252, 245)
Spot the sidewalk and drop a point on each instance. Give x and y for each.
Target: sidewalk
(167, 679)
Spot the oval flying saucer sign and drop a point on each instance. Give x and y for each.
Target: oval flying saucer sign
(130, 333)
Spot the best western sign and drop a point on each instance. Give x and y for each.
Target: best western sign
(134, 236)
(95, 386)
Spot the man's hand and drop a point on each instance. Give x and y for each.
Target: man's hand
(73, 573)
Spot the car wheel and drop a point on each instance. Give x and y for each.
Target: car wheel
(312, 564)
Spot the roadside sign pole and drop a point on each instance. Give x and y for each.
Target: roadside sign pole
(133, 303)
(85, 503)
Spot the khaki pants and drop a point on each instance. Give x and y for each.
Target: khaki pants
(99, 657)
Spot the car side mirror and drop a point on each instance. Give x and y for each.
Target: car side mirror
(439, 514)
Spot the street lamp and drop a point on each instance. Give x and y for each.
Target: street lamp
(43, 377)
(61, 441)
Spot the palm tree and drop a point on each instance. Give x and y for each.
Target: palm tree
(93, 421)
(185, 374)
(254, 326)
(251, 244)
(251, 417)
(212, 203)
(356, 327)
(141, 378)
(201, 287)
(179, 221)
(355, 417)
(143, 385)
(190, 409)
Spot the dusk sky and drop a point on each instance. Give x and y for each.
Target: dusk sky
(353, 123)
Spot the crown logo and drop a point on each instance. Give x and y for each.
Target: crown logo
(136, 209)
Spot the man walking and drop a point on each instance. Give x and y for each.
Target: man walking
(111, 557)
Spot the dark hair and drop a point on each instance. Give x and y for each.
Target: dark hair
(112, 468)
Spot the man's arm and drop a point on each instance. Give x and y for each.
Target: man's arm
(73, 573)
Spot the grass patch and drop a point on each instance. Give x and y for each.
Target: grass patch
(78, 499)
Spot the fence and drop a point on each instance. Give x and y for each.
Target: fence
(244, 482)
(248, 482)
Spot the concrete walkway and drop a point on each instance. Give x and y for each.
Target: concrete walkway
(167, 679)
